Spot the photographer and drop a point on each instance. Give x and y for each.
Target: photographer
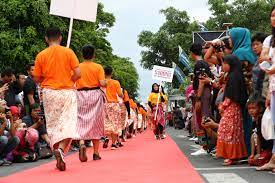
(37, 121)
(13, 90)
(211, 128)
(8, 140)
(202, 91)
(216, 49)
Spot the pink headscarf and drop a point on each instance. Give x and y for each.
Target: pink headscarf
(32, 136)
(29, 135)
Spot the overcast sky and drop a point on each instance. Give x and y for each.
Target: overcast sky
(134, 16)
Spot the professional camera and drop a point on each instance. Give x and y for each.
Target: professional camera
(219, 43)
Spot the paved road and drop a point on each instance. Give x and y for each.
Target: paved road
(212, 170)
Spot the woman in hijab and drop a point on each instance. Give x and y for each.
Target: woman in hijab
(154, 98)
(241, 43)
(230, 144)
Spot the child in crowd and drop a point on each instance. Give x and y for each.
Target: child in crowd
(260, 148)
(230, 143)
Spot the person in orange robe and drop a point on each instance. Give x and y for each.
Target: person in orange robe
(112, 107)
(90, 98)
(57, 70)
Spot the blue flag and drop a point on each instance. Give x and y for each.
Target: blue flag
(183, 59)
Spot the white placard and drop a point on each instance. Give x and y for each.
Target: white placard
(163, 73)
(76, 9)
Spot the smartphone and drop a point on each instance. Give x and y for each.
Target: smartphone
(265, 65)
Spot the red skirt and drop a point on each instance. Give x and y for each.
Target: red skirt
(231, 144)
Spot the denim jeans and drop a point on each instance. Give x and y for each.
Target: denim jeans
(7, 145)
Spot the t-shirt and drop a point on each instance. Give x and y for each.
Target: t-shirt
(258, 76)
(200, 67)
(30, 87)
(126, 96)
(91, 74)
(55, 65)
(267, 44)
(153, 98)
(133, 105)
(113, 89)
(142, 112)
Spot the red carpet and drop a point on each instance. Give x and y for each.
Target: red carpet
(143, 160)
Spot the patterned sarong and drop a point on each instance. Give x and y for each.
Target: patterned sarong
(61, 115)
(160, 116)
(123, 116)
(90, 117)
(112, 118)
(140, 121)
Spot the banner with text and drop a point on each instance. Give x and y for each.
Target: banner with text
(163, 73)
(76, 9)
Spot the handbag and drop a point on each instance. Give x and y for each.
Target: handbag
(44, 151)
(268, 126)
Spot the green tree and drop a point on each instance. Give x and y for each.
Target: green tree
(161, 48)
(252, 14)
(22, 30)
(126, 73)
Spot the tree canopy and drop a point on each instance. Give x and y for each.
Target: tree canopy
(126, 73)
(161, 47)
(22, 30)
(252, 14)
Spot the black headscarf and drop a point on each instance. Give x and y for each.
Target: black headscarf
(153, 91)
(235, 88)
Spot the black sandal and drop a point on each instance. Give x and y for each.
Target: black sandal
(82, 153)
(96, 157)
(60, 164)
(105, 145)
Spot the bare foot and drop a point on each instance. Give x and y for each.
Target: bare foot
(267, 167)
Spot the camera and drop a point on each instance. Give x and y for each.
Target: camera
(218, 48)
(207, 120)
(42, 116)
(7, 110)
(202, 72)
